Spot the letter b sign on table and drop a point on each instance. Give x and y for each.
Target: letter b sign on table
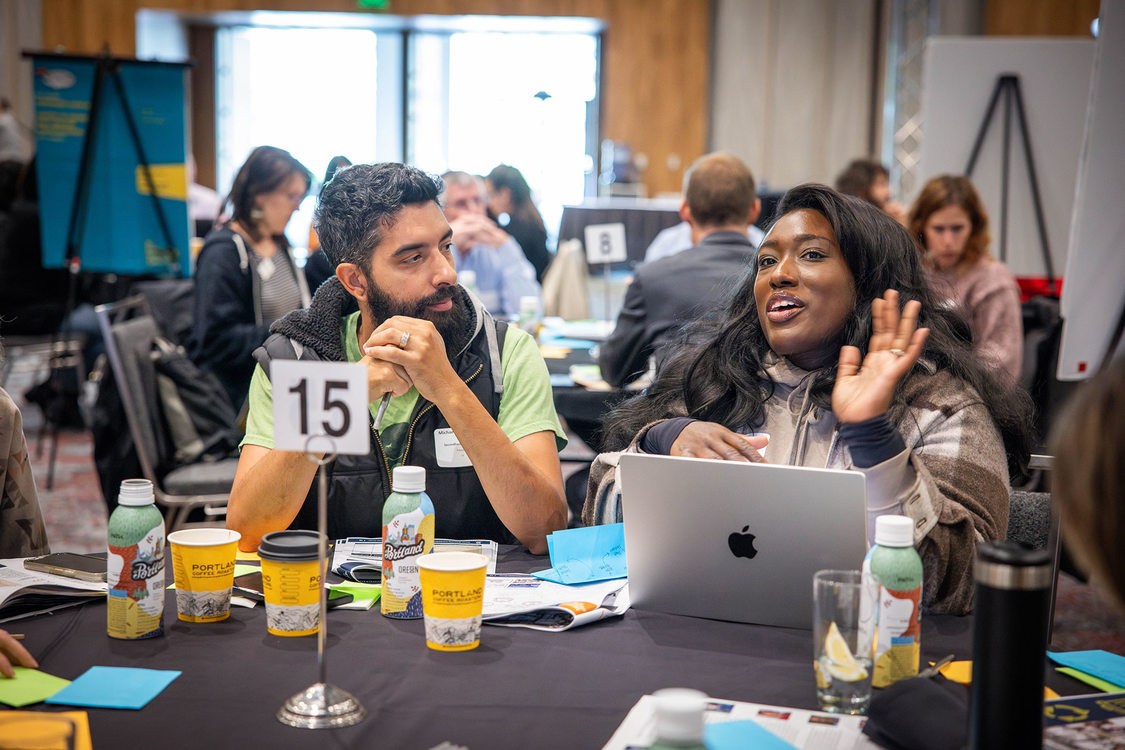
(326, 399)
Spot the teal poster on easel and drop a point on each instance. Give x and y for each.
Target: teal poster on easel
(116, 201)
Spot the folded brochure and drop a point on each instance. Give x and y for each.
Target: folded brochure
(524, 601)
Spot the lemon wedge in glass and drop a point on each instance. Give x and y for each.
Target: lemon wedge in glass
(840, 663)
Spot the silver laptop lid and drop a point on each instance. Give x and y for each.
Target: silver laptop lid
(737, 541)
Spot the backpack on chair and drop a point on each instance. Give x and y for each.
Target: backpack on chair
(195, 408)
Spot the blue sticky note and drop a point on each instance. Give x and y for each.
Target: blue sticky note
(114, 687)
(593, 553)
(561, 380)
(1107, 666)
(737, 735)
(550, 574)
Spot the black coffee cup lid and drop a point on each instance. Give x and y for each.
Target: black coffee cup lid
(289, 546)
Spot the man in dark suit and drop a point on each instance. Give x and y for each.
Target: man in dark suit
(719, 202)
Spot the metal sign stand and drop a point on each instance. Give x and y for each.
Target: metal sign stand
(322, 705)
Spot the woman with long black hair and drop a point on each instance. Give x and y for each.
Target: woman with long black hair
(814, 350)
(509, 193)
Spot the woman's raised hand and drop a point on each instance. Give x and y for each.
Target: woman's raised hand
(864, 390)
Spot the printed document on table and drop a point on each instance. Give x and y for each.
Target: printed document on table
(808, 730)
(24, 592)
(518, 600)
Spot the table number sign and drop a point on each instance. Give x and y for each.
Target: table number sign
(320, 398)
(605, 243)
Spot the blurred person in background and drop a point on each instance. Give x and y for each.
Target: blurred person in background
(22, 533)
(502, 274)
(12, 144)
(1088, 481)
(245, 276)
(950, 222)
(719, 201)
(870, 180)
(509, 195)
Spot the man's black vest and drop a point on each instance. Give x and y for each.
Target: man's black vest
(359, 485)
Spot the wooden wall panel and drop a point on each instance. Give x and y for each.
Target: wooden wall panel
(656, 57)
(1040, 17)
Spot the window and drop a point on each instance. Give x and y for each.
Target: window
(474, 97)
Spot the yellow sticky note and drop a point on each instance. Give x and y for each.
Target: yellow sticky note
(958, 671)
(245, 556)
(40, 728)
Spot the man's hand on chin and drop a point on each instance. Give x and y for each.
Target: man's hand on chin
(423, 356)
(471, 230)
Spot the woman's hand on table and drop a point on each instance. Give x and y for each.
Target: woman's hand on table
(864, 389)
(711, 440)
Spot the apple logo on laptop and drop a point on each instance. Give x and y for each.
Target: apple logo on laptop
(742, 543)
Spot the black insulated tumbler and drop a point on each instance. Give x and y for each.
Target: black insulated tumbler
(1012, 599)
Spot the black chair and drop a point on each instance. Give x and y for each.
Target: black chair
(1031, 521)
(129, 331)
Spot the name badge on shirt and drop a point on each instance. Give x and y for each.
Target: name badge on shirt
(447, 448)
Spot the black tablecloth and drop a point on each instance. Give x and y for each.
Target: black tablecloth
(520, 689)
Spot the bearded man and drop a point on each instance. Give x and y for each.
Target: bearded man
(470, 396)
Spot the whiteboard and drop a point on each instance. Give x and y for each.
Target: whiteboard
(1094, 292)
(959, 75)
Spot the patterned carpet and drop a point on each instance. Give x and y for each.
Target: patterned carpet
(75, 515)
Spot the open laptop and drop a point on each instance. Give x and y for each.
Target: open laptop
(737, 541)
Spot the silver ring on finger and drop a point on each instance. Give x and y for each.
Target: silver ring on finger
(402, 341)
(898, 352)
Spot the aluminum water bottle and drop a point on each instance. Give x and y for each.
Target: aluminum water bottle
(135, 564)
(1012, 599)
(408, 533)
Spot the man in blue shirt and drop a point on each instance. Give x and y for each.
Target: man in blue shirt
(503, 273)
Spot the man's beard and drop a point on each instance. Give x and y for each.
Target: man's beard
(450, 323)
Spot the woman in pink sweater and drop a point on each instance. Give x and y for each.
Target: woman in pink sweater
(951, 224)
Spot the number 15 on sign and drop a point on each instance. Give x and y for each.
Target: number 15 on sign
(326, 399)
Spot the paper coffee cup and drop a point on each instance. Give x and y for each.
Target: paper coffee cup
(291, 582)
(452, 599)
(203, 566)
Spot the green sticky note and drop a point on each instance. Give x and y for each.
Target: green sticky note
(29, 686)
(364, 595)
(1089, 679)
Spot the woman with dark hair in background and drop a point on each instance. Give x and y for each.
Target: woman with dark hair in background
(509, 193)
(813, 349)
(951, 224)
(245, 277)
